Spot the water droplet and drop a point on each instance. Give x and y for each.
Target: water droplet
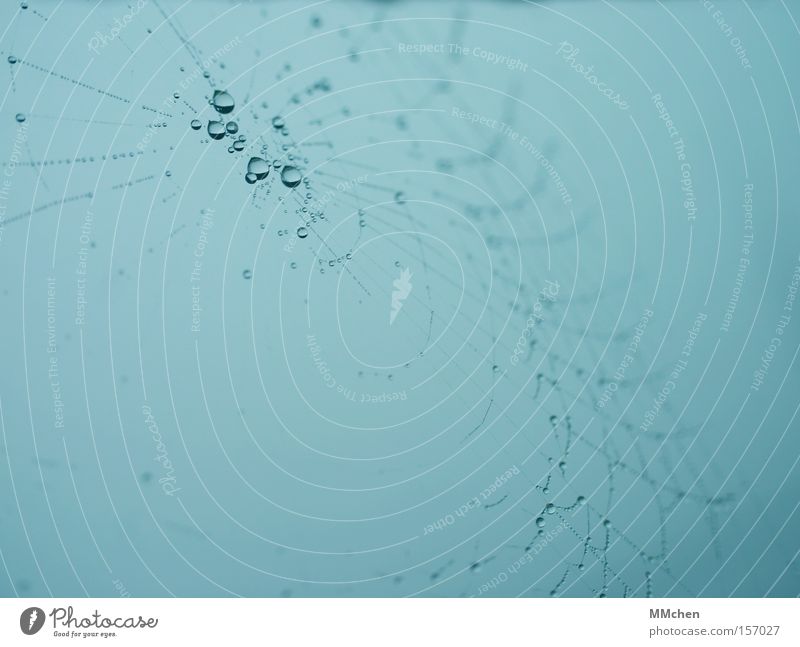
(196, 125)
(232, 127)
(581, 500)
(550, 508)
(238, 145)
(606, 523)
(293, 265)
(222, 101)
(290, 176)
(12, 59)
(176, 96)
(400, 197)
(20, 117)
(247, 274)
(258, 167)
(168, 173)
(540, 522)
(250, 178)
(302, 232)
(216, 129)
(278, 123)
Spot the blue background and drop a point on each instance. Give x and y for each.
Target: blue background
(417, 456)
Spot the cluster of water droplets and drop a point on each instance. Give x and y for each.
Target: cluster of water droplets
(258, 168)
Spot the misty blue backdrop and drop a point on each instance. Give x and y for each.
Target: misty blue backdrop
(511, 312)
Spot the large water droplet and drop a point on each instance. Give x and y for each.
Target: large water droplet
(290, 176)
(20, 117)
(12, 59)
(216, 129)
(232, 127)
(222, 102)
(258, 167)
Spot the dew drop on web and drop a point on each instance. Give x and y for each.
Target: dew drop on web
(222, 101)
(290, 176)
(258, 166)
(216, 129)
